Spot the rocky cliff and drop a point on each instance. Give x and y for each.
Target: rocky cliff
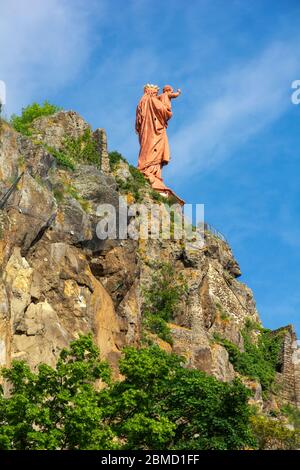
(58, 279)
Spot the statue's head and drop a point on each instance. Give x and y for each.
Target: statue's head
(167, 88)
(151, 89)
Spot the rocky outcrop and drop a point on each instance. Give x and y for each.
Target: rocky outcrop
(216, 303)
(58, 279)
(48, 293)
(52, 130)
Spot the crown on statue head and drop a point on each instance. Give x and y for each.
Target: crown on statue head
(151, 87)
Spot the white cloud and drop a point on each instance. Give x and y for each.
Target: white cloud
(247, 99)
(43, 45)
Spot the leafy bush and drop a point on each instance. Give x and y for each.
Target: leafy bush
(273, 434)
(115, 158)
(130, 187)
(161, 300)
(261, 359)
(158, 326)
(137, 183)
(62, 158)
(293, 415)
(222, 312)
(23, 123)
(80, 150)
(158, 405)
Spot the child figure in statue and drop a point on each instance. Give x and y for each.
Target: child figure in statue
(167, 95)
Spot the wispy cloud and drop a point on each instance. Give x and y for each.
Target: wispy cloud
(247, 98)
(44, 45)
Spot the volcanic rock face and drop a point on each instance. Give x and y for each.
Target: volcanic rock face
(58, 279)
(48, 293)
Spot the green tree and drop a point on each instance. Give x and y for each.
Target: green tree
(162, 405)
(159, 404)
(56, 408)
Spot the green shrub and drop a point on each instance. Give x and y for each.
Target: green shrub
(70, 190)
(161, 300)
(129, 187)
(136, 181)
(63, 159)
(261, 359)
(80, 150)
(23, 123)
(56, 408)
(158, 326)
(273, 434)
(58, 193)
(293, 415)
(171, 407)
(138, 177)
(157, 197)
(137, 184)
(83, 149)
(114, 159)
(224, 315)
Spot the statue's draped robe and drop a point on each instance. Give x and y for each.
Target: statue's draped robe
(151, 122)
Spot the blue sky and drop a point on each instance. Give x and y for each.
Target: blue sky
(234, 136)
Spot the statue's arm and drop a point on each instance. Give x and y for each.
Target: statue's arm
(176, 94)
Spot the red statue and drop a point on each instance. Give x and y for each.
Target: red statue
(152, 116)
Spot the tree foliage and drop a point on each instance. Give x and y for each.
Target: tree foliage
(158, 405)
(56, 408)
(29, 113)
(199, 411)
